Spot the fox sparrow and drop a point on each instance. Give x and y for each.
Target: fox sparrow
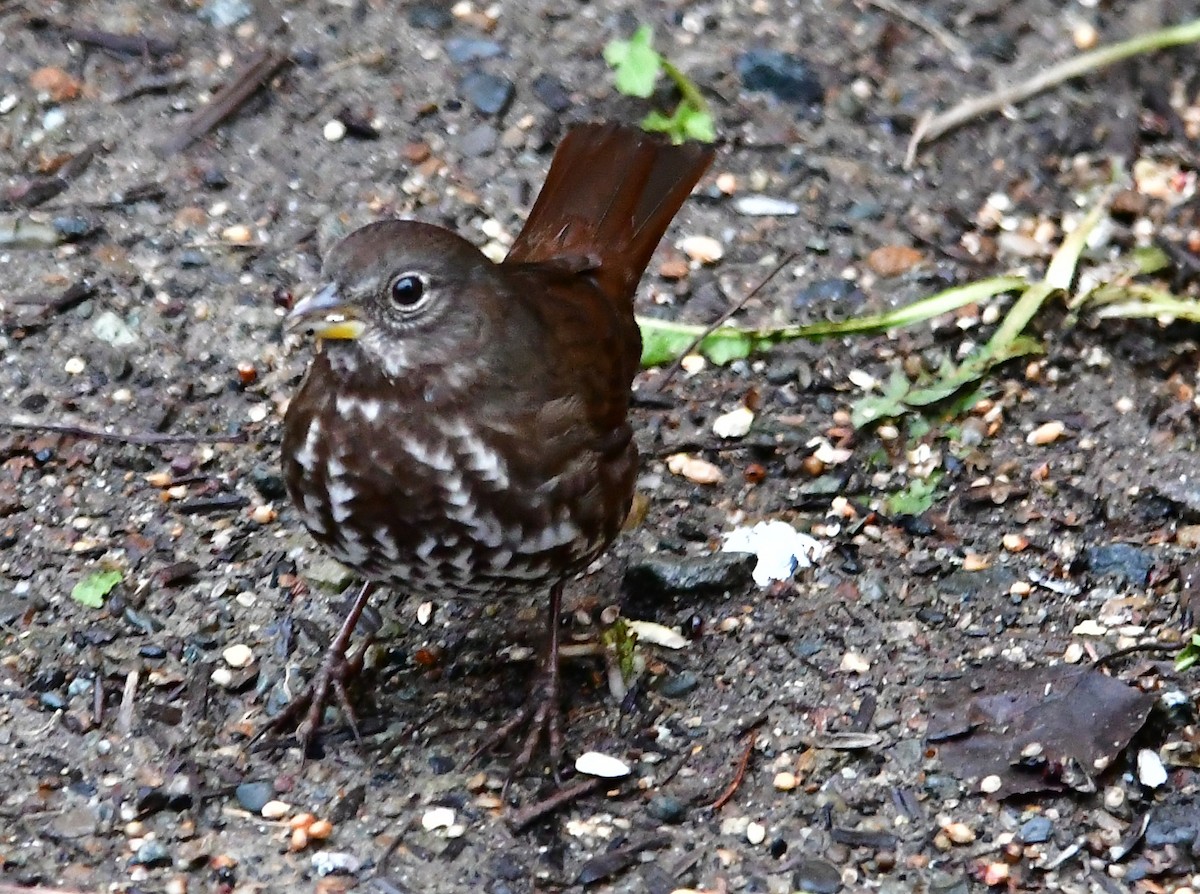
(462, 429)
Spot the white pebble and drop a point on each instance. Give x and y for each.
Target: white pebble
(854, 663)
(437, 818)
(334, 130)
(74, 366)
(989, 785)
(734, 424)
(786, 781)
(274, 810)
(222, 677)
(762, 206)
(756, 833)
(703, 249)
(694, 469)
(1047, 433)
(238, 655)
(1151, 772)
(593, 763)
(258, 412)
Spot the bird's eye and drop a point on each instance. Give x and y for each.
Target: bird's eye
(408, 291)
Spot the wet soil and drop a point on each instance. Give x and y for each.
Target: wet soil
(144, 297)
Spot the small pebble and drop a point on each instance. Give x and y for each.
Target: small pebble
(437, 818)
(593, 763)
(274, 810)
(854, 663)
(74, 366)
(1151, 772)
(702, 249)
(334, 130)
(320, 829)
(756, 833)
(764, 206)
(989, 785)
(1089, 627)
(238, 655)
(238, 234)
(959, 833)
(694, 469)
(263, 514)
(1044, 434)
(734, 424)
(786, 781)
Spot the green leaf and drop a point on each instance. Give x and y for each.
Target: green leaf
(1190, 654)
(687, 123)
(92, 589)
(914, 499)
(635, 63)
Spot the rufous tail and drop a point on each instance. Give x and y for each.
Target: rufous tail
(611, 193)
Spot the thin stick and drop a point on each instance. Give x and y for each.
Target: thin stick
(144, 438)
(738, 776)
(128, 699)
(246, 82)
(724, 318)
(962, 55)
(564, 796)
(933, 126)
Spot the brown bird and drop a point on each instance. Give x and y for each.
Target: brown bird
(462, 430)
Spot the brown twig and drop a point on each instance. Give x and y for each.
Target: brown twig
(931, 126)
(142, 438)
(1153, 646)
(248, 80)
(519, 819)
(724, 318)
(732, 788)
(72, 296)
(122, 44)
(962, 55)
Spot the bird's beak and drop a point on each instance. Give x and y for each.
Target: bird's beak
(326, 314)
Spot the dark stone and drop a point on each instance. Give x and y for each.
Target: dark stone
(666, 809)
(675, 575)
(72, 228)
(677, 685)
(551, 92)
(253, 795)
(440, 764)
(268, 483)
(152, 853)
(816, 876)
(462, 50)
(489, 94)
(1120, 560)
(214, 178)
(1174, 825)
(431, 16)
(35, 402)
(784, 75)
(190, 258)
(1036, 830)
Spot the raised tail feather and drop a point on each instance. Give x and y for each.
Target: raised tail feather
(610, 195)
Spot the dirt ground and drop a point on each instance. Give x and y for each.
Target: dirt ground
(143, 294)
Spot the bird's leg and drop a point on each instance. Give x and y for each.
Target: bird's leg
(542, 712)
(337, 669)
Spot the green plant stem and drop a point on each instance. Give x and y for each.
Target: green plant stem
(934, 126)
(687, 88)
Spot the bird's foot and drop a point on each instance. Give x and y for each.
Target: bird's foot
(540, 718)
(338, 668)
